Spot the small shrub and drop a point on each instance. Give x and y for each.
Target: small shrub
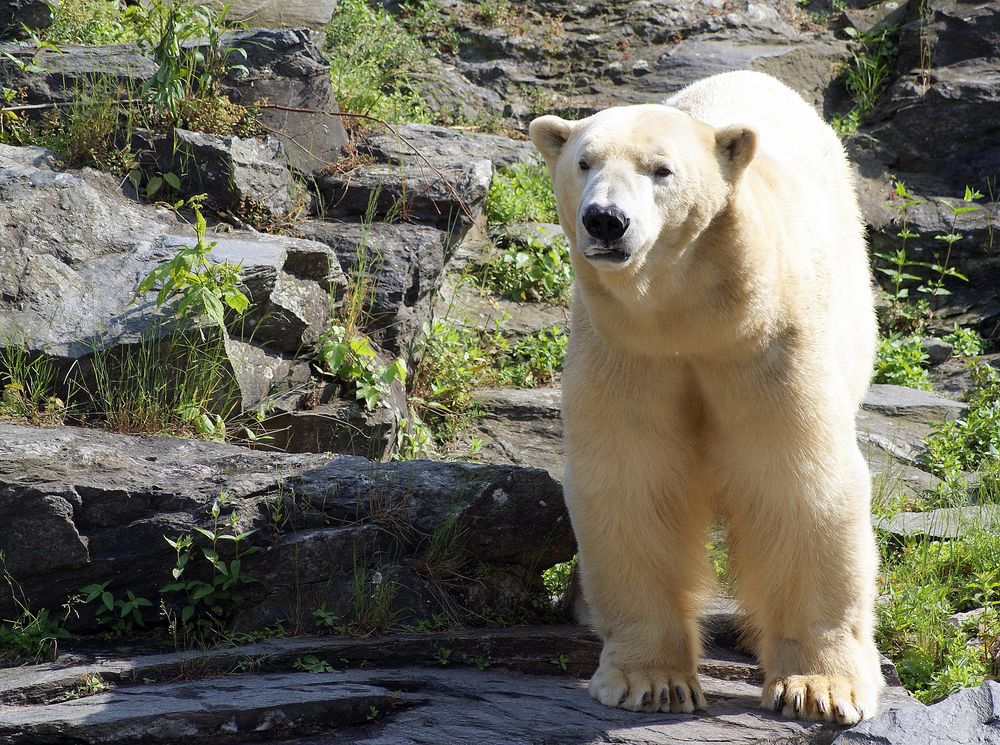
(972, 441)
(535, 360)
(529, 271)
(90, 22)
(351, 358)
(902, 361)
(521, 193)
(965, 341)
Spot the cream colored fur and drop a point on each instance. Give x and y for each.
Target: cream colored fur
(716, 374)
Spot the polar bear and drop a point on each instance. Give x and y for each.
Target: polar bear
(723, 334)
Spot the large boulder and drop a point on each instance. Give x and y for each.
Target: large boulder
(16, 15)
(74, 250)
(82, 506)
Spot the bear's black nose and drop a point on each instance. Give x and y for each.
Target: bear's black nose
(606, 224)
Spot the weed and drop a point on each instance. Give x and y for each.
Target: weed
(122, 615)
(972, 441)
(373, 713)
(427, 19)
(521, 193)
(481, 663)
(181, 383)
(494, 12)
(536, 359)
(374, 594)
(414, 439)
(27, 384)
(557, 579)
(206, 605)
(349, 356)
(203, 288)
(924, 583)
(868, 71)
(562, 662)
(312, 664)
(324, 619)
(443, 656)
(902, 360)
(32, 636)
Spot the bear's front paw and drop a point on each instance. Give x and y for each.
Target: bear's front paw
(646, 690)
(826, 698)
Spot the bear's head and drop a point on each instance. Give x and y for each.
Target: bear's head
(636, 184)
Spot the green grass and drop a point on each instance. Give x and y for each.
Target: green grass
(90, 22)
(373, 62)
(521, 193)
(924, 582)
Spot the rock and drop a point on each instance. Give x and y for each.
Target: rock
(946, 522)
(239, 175)
(959, 620)
(912, 404)
(342, 426)
(87, 506)
(401, 267)
(287, 69)
(61, 77)
(520, 427)
(455, 705)
(15, 15)
(76, 249)
(444, 194)
(292, 14)
(937, 350)
(523, 233)
(969, 716)
(464, 302)
(954, 377)
(444, 144)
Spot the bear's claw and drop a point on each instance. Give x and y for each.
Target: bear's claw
(675, 692)
(818, 697)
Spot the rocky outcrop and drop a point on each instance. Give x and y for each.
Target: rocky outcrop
(16, 15)
(80, 506)
(969, 716)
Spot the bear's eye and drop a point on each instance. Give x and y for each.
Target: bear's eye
(584, 165)
(662, 172)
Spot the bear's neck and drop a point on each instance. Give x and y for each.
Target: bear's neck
(719, 295)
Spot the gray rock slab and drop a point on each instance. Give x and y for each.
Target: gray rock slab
(896, 436)
(912, 404)
(445, 144)
(417, 701)
(238, 706)
(464, 302)
(946, 522)
(314, 14)
(970, 716)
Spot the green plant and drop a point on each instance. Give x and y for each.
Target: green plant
(414, 439)
(373, 713)
(965, 341)
(312, 664)
(428, 20)
(902, 360)
(868, 71)
(90, 22)
(443, 656)
(562, 662)
(374, 62)
(521, 193)
(536, 359)
(973, 440)
(206, 604)
(203, 288)
(351, 358)
(557, 579)
(121, 614)
(373, 599)
(901, 315)
(32, 636)
(925, 581)
(324, 619)
(529, 271)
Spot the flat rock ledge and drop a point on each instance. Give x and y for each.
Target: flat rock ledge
(390, 690)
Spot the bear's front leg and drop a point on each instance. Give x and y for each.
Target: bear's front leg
(804, 559)
(642, 566)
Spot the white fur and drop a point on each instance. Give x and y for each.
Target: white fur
(716, 373)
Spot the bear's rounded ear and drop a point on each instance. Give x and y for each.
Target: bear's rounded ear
(549, 133)
(736, 145)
